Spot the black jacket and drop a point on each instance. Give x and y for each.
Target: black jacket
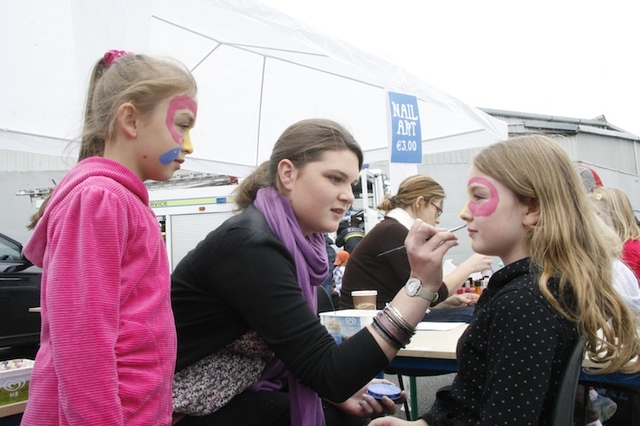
(242, 277)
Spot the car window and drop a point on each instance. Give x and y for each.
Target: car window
(11, 258)
(10, 249)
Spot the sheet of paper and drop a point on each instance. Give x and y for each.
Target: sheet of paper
(438, 326)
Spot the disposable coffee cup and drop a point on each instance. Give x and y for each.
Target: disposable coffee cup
(364, 299)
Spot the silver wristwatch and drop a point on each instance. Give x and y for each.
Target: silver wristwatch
(414, 287)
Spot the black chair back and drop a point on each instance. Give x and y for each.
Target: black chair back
(565, 401)
(325, 304)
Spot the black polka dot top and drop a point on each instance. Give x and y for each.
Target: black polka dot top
(509, 359)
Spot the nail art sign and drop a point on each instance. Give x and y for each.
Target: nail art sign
(406, 134)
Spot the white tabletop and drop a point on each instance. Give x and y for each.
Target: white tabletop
(439, 344)
(436, 343)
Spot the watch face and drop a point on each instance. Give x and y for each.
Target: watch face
(412, 287)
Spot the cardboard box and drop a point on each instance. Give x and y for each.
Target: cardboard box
(344, 324)
(15, 375)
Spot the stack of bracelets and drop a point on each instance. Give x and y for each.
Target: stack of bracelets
(390, 325)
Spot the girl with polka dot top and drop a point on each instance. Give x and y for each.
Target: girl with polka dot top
(526, 205)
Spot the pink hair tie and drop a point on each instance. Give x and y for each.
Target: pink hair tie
(111, 56)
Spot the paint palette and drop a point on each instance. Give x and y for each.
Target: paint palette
(380, 390)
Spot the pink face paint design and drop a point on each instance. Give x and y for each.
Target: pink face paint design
(177, 103)
(489, 206)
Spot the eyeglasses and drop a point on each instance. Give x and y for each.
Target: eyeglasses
(438, 209)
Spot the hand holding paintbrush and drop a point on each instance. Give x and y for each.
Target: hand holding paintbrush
(394, 250)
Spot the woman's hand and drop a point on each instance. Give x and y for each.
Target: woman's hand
(425, 246)
(477, 263)
(363, 405)
(458, 301)
(394, 421)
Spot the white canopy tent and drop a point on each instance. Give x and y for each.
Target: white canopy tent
(258, 71)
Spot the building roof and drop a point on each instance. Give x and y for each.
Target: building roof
(558, 124)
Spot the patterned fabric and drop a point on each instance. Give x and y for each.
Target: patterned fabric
(338, 273)
(209, 384)
(510, 358)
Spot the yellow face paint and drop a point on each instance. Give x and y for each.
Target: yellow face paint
(187, 145)
(466, 206)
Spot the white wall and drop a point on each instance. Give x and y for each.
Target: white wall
(16, 210)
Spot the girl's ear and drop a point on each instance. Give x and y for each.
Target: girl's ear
(532, 214)
(128, 119)
(286, 174)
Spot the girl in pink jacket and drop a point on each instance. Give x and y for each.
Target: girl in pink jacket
(108, 342)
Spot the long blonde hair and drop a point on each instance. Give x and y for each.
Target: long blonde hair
(616, 204)
(567, 246)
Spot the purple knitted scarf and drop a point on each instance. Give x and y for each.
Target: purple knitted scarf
(310, 257)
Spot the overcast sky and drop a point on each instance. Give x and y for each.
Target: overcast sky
(569, 58)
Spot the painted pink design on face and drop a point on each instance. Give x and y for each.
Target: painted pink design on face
(489, 206)
(176, 104)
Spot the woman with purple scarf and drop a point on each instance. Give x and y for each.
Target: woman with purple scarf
(251, 349)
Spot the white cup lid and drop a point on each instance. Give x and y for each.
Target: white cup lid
(364, 293)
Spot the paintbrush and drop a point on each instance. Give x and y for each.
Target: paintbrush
(393, 250)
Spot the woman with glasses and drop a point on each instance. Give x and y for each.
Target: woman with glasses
(418, 197)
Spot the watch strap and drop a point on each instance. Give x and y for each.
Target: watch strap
(427, 294)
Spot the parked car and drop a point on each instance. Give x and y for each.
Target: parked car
(19, 291)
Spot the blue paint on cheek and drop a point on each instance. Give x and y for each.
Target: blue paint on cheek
(169, 156)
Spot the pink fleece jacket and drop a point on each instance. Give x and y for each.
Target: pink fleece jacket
(108, 342)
